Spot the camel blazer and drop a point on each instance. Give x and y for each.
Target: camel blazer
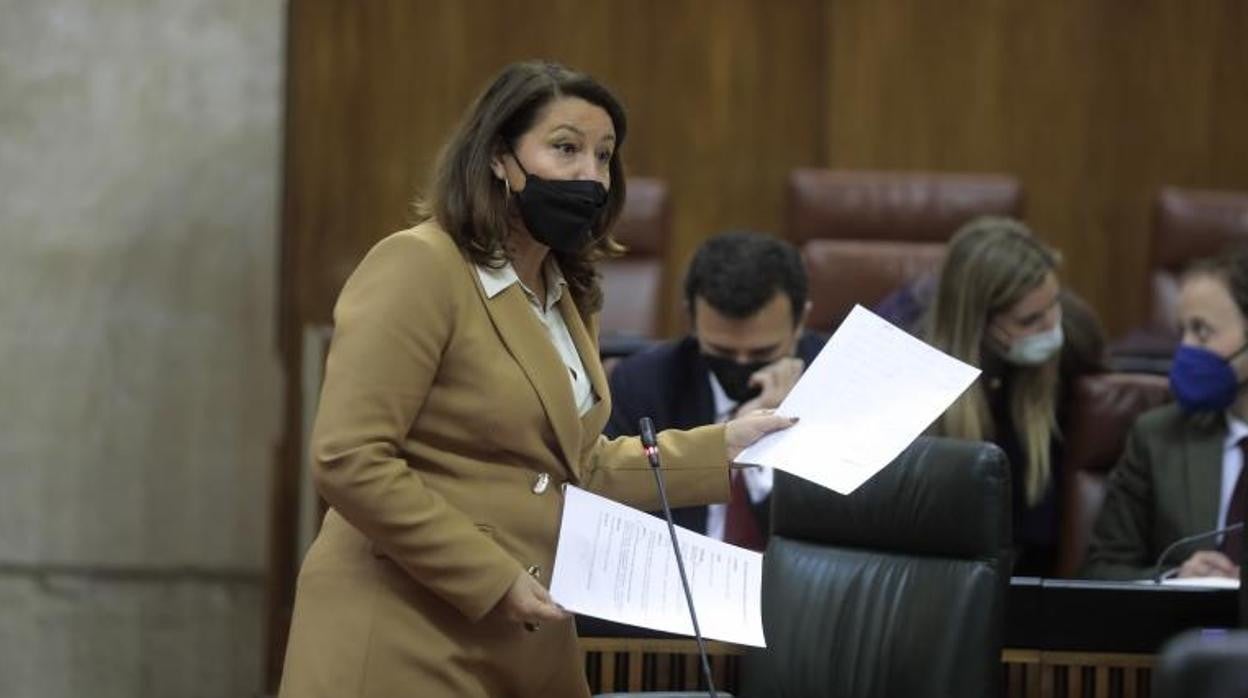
(445, 431)
(1165, 487)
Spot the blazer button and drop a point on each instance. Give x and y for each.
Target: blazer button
(541, 484)
(535, 571)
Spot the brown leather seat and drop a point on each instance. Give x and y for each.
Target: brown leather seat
(842, 273)
(1102, 410)
(1189, 224)
(864, 234)
(632, 284)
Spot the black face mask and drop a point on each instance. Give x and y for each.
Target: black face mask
(560, 213)
(734, 377)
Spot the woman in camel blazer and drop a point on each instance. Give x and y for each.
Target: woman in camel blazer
(462, 391)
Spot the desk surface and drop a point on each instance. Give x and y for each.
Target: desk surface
(1073, 615)
(1095, 616)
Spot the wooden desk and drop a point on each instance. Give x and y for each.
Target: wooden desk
(1064, 638)
(662, 664)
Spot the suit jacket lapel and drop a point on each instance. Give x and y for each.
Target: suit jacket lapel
(593, 420)
(1203, 471)
(699, 407)
(526, 339)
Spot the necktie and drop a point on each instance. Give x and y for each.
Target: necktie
(1233, 542)
(740, 526)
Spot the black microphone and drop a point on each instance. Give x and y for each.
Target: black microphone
(650, 443)
(651, 446)
(1233, 528)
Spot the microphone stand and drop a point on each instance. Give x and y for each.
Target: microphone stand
(651, 445)
(1243, 596)
(1243, 592)
(1233, 528)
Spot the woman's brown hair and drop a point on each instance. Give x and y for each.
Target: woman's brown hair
(470, 202)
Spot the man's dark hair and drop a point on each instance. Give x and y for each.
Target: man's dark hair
(1231, 267)
(737, 273)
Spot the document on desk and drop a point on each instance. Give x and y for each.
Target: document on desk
(617, 563)
(869, 393)
(1197, 582)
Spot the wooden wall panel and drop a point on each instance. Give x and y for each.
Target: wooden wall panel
(722, 99)
(1094, 105)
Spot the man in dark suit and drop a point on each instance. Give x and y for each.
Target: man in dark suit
(1183, 470)
(1170, 483)
(746, 298)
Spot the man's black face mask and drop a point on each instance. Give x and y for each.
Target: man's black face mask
(734, 377)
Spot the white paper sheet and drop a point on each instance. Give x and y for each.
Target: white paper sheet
(1196, 582)
(870, 391)
(617, 563)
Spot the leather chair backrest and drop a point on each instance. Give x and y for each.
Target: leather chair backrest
(1200, 665)
(842, 273)
(1189, 224)
(1102, 409)
(897, 589)
(896, 206)
(863, 234)
(633, 284)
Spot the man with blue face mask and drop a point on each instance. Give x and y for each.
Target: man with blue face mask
(1182, 473)
(746, 298)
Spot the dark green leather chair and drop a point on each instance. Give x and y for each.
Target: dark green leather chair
(895, 590)
(1203, 664)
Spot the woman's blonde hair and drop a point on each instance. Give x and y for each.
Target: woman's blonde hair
(991, 264)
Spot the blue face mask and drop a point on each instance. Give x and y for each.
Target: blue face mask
(1202, 380)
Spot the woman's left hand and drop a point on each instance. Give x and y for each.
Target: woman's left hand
(528, 603)
(741, 432)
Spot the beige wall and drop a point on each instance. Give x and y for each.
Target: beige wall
(140, 387)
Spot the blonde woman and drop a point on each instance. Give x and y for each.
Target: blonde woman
(999, 305)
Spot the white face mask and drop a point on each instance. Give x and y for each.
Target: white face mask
(1035, 349)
